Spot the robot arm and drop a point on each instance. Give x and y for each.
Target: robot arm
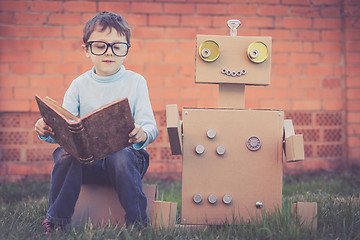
(174, 128)
(294, 144)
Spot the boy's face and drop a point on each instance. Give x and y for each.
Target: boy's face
(108, 63)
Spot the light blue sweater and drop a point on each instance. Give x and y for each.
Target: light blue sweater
(90, 91)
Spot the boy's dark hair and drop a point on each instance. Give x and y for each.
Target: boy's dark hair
(107, 20)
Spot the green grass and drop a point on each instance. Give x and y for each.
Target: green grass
(23, 207)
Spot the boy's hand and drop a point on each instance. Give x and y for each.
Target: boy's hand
(137, 135)
(42, 129)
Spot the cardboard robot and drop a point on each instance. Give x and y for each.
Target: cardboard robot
(232, 156)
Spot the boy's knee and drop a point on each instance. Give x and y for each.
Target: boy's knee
(61, 156)
(122, 159)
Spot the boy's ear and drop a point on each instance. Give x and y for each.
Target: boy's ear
(86, 50)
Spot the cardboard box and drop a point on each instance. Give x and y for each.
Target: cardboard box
(101, 204)
(164, 214)
(232, 159)
(306, 214)
(294, 148)
(174, 129)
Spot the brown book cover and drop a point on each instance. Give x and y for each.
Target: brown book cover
(94, 136)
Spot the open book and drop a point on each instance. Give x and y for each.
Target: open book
(94, 136)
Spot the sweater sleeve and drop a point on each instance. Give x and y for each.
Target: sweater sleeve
(143, 115)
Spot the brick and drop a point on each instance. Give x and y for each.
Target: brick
(326, 2)
(79, 6)
(279, 58)
(331, 35)
(180, 33)
(146, 7)
(4, 68)
(14, 31)
(6, 93)
(303, 11)
(353, 94)
(14, 5)
(311, 35)
(14, 57)
(276, 34)
(259, 22)
(352, 34)
(282, 104)
(304, 58)
(46, 81)
(15, 81)
(332, 105)
(55, 44)
(327, 23)
(148, 32)
(164, 20)
(161, 69)
(6, 18)
(296, 23)
(243, 9)
(353, 117)
(136, 19)
(327, 47)
(179, 58)
(331, 83)
(73, 31)
(140, 57)
(194, 21)
(64, 19)
(330, 11)
(353, 81)
(22, 68)
(26, 44)
(45, 56)
(273, 10)
(30, 18)
(179, 8)
(319, 70)
(14, 105)
(295, 2)
(60, 68)
(213, 9)
(352, 46)
(164, 93)
(185, 46)
(74, 57)
(161, 45)
(118, 7)
(45, 31)
(48, 6)
(353, 105)
(289, 93)
(287, 70)
(259, 93)
(179, 81)
(28, 93)
(331, 58)
(196, 93)
(306, 105)
(324, 94)
(352, 70)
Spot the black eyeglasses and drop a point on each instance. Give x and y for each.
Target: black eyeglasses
(119, 49)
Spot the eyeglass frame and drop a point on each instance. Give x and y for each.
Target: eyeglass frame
(107, 47)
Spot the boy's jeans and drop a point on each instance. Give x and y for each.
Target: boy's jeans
(123, 170)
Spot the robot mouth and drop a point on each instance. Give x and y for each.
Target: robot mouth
(231, 73)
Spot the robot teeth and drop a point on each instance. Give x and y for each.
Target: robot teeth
(233, 73)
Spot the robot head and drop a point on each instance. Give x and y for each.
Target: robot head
(233, 59)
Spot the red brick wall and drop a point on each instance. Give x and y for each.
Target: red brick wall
(315, 70)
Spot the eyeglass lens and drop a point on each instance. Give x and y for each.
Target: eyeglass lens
(99, 48)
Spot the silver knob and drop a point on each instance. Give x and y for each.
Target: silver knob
(211, 133)
(220, 150)
(197, 198)
(200, 149)
(212, 199)
(227, 199)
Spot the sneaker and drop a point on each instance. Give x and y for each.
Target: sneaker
(48, 226)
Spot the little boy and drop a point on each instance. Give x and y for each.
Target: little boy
(106, 42)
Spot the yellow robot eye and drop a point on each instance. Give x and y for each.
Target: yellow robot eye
(257, 52)
(209, 51)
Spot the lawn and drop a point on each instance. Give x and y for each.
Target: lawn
(23, 207)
